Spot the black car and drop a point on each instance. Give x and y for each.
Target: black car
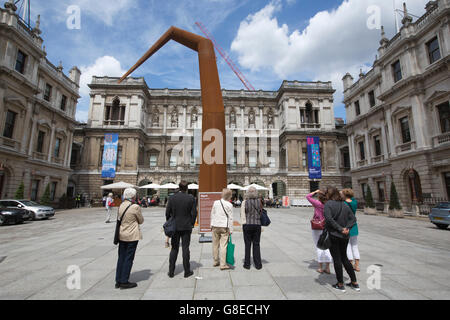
(12, 215)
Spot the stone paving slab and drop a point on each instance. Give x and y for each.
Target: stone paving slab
(413, 257)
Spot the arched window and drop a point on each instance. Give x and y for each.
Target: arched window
(415, 186)
(115, 113)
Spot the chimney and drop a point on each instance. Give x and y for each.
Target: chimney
(348, 81)
(74, 75)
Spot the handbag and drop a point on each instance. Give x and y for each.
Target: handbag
(118, 223)
(265, 220)
(170, 227)
(317, 224)
(324, 241)
(230, 252)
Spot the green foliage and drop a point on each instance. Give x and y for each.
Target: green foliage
(369, 198)
(394, 203)
(45, 200)
(20, 192)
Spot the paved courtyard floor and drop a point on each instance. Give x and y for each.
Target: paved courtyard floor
(413, 256)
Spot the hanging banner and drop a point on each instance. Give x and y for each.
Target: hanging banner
(110, 155)
(314, 165)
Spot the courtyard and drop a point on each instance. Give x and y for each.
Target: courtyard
(412, 255)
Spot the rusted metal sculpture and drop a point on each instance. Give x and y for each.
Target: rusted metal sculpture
(213, 177)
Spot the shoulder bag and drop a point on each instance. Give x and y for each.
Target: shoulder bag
(230, 245)
(265, 220)
(118, 223)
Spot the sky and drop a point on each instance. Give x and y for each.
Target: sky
(269, 40)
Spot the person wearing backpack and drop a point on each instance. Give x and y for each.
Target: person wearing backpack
(251, 227)
(339, 219)
(222, 228)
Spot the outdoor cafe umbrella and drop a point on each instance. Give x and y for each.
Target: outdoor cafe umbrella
(169, 186)
(151, 186)
(256, 186)
(118, 185)
(233, 186)
(193, 186)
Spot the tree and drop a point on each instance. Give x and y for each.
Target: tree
(394, 203)
(45, 200)
(19, 192)
(369, 198)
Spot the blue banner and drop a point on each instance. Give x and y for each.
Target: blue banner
(110, 155)
(314, 165)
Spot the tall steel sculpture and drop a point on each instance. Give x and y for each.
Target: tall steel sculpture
(213, 176)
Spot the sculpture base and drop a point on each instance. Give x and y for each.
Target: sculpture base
(204, 239)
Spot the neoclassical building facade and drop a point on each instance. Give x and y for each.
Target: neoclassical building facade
(398, 114)
(160, 136)
(37, 112)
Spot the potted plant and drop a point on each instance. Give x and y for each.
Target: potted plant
(395, 209)
(45, 200)
(369, 207)
(20, 192)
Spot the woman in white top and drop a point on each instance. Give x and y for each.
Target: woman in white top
(222, 227)
(109, 203)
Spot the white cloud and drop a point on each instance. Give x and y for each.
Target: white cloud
(333, 43)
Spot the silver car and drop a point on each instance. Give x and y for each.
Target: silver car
(37, 211)
(440, 215)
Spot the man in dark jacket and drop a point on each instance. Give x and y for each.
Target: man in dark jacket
(183, 208)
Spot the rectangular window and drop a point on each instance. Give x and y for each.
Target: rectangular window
(40, 142)
(302, 116)
(444, 117)
(153, 160)
(9, 124)
(404, 127)
(357, 108)
(252, 161)
(362, 153)
(372, 99)
(305, 159)
(346, 160)
(397, 69)
(52, 191)
(20, 62)
(107, 112)
(316, 116)
(377, 145)
(57, 147)
(63, 103)
(434, 53)
(34, 189)
(364, 189)
(380, 186)
(119, 157)
(173, 161)
(47, 92)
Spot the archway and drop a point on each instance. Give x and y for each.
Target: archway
(5, 180)
(414, 186)
(279, 189)
(145, 192)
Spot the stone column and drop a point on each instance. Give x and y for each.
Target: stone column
(50, 146)
(261, 117)
(165, 120)
(184, 125)
(242, 118)
(367, 148)
(390, 133)
(384, 142)
(32, 137)
(417, 113)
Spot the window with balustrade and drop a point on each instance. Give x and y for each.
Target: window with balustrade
(115, 113)
(10, 122)
(48, 92)
(444, 116)
(377, 145)
(20, 61)
(397, 70)
(404, 128)
(362, 151)
(40, 142)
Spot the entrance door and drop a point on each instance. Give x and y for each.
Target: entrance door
(447, 183)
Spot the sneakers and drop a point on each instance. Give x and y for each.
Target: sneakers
(337, 287)
(353, 286)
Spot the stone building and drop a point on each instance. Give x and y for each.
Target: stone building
(160, 135)
(398, 117)
(37, 112)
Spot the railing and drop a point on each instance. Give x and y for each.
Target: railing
(11, 143)
(406, 146)
(361, 163)
(427, 16)
(39, 156)
(113, 122)
(428, 203)
(443, 138)
(310, 125)
(58, 160)
(379, 158)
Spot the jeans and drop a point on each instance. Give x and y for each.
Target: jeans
(125, 261)
(185, 237)
(338, 251)
(252, 236)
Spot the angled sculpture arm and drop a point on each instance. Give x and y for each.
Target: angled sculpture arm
(183, 37)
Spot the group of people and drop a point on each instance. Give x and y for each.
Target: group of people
(183, 208)
(335, 211)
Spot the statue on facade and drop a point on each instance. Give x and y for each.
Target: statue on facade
(251, 118)
(233, 119)
(194, 117)
(155, 118)
(270, 122)
(174, 119)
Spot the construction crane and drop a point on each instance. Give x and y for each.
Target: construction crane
(227, 59)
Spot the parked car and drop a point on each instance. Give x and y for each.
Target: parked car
(36, 210)
(13, 215)
(440, 215)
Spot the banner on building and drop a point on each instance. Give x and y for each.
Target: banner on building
(314, 164)
(109, 157)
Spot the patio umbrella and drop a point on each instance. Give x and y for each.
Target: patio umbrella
(118, 185)
(169, 186)
(193, 186)
(257, 187)
(233, 186)
(151, 186)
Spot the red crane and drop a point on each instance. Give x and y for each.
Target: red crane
(227, 59)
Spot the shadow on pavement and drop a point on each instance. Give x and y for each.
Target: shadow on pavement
(140, 275)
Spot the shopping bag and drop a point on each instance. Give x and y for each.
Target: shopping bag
(230, 252)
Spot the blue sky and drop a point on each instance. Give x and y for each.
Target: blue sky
(269, 40)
